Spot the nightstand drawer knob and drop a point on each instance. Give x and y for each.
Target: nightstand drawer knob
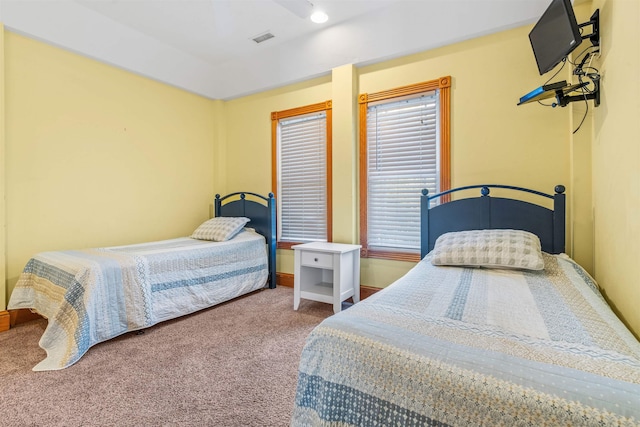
(315, 259)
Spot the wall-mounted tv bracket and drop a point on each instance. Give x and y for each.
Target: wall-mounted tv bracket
(594, 21)
(562, 96)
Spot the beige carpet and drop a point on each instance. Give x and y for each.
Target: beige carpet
(230, 365)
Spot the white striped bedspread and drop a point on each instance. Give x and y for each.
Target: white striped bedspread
(92, 295)
(451, 346)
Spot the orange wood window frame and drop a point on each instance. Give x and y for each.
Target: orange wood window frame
(444, 85)
(275, 117)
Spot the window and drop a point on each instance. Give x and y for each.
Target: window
(301, 164)
(404, 147)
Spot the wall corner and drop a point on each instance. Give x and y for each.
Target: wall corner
(3, 218)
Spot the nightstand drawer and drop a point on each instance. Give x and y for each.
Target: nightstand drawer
(316, 259)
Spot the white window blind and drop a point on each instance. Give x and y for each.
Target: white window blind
(403, 158)
(302, 178)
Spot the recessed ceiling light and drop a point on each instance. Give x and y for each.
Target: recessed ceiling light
(319, 17)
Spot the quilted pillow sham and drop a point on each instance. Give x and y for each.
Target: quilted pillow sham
(220, 229)
(489, 248)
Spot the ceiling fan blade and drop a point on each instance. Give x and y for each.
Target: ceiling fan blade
(301, 8)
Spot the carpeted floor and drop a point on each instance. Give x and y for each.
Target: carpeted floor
(230, 365)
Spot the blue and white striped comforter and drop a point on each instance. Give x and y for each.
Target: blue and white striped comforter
(93, 295)
(460, 347)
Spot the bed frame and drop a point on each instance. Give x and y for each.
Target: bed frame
(262, 212)
(485, 212)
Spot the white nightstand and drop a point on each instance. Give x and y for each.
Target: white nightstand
(326, 272)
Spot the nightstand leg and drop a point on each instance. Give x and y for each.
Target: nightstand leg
(337, 306)
(356, 277)
(296, 281)
(337, 283)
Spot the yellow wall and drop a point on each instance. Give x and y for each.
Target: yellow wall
(493, 140)
(3, 253)
(248, 132)
(97, 156)
(616, 159)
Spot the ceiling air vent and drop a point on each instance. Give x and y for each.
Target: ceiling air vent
(263, 37)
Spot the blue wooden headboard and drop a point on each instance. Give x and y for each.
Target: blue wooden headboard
(486, 212)
(261, 211)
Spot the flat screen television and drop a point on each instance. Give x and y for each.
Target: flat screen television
(555, 35)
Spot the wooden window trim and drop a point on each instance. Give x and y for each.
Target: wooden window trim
(275, 117)
(444, 85)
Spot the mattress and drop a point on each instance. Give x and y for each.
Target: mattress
(471, 346)
(92, 295)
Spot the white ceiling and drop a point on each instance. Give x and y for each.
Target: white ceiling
(206, 46)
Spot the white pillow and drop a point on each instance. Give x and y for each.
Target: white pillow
(489, 248)
(220, 229)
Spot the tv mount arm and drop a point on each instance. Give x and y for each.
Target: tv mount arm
(594, 21)
(564, 99)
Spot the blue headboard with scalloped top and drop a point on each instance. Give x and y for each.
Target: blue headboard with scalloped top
(487, 212)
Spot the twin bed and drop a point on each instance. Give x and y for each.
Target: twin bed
(92, 295)
(495, 326)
